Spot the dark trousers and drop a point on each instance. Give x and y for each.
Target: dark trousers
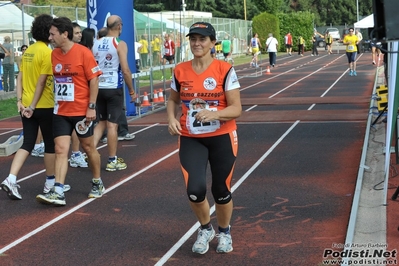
(300, 49)
(272, 58)
(314, 51)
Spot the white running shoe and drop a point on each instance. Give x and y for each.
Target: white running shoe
(78, 161)
(225, 244)
(11, 189)
(48, 188)
(39, 152)
(204, 236)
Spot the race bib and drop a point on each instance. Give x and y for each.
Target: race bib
(195, 126)
(64, 89)
(351, 47)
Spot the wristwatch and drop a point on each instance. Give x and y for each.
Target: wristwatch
(92, 106)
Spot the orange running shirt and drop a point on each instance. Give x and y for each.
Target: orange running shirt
(72, 73)
(205, 90)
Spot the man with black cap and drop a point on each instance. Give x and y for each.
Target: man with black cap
(209, 92)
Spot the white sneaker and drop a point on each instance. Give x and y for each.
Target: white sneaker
(78, 161)
(128, 136)
(39, 152)
(205, 236)
(225, 244)
(48, 188)
(11, 189)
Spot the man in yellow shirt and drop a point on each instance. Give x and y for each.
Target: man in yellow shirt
(156, 50)
(351, 41)
(144, 51)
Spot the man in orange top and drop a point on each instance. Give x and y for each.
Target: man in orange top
(288, 43)
(75, 90)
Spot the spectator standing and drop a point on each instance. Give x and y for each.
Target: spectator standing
(156, 50)
(76, 76)
(301, 45)
(314, 43)
(168, 53)
(8, 65)
(212, 139)
(288, 43)
(111, 54)
(271, 48)
(144, 51)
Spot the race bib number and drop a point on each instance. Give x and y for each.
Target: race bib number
(198, 127)
(166, 51)
(64, 89)
(351, 47)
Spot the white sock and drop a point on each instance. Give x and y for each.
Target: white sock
(12, 178)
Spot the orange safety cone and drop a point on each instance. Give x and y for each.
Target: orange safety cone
(145, 102)
(267, 70)
(155, 99)
(160, 96)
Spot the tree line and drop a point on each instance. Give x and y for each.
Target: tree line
(326, 12)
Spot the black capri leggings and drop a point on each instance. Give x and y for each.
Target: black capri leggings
(43, 118)
(221, 152)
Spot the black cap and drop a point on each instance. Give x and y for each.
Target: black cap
(202, 28)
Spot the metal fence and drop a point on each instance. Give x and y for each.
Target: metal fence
(155, 24)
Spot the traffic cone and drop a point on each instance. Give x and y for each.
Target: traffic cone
(160, 96)
(267, 70)
(155, 99)
(145, 102)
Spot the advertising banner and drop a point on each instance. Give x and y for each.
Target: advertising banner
(97, 13)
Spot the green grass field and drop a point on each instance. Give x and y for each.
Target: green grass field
(8, 108)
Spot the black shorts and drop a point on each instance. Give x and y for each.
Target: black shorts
(63, 126)
(170, 58)
(109, 104)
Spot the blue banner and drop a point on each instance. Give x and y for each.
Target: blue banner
(97, 13)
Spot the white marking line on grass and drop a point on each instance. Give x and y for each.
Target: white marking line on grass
(194, 228)
(81, 205)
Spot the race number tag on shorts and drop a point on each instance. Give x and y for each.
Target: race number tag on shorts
(351, 47)
(64, 89)
(198, 127)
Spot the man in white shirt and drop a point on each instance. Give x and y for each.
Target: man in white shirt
(271, 48)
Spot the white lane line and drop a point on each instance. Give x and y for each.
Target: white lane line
(81, 205)
(99, 147)
(305, 77)
(9, 130)
(194, 228)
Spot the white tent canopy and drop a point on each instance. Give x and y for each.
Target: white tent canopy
(11, 18)
(169, 23)
(367, 22)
